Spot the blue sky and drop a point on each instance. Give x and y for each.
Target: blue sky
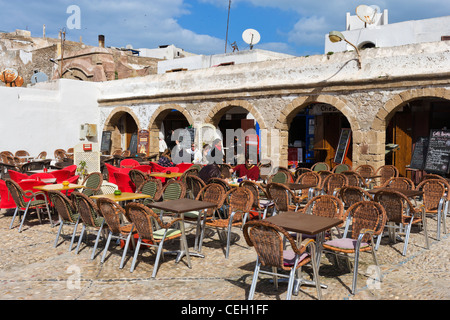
(296, 27)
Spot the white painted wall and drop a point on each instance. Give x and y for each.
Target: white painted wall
(391, 35)
(47, 116)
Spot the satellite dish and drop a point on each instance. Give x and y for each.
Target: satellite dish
(367, 14)
(251, 37)
(38, 77)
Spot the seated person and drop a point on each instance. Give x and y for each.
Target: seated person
(249, 170)
(210, 171)
(165, 160)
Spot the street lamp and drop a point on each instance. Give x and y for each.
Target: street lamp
(336, 36)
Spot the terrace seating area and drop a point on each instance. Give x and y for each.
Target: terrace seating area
(176, 211)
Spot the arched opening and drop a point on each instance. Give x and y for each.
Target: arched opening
(366, 45)
(411, 123)
(239, 131)
(124, 129)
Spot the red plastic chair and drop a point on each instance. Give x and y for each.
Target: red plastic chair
(184, 166)
(72, 169)
(124, 182)
(129, 163)
(17, 176)
(6, 200)
(111, 170)
(40, 176)
(157, 168)
(61, 175)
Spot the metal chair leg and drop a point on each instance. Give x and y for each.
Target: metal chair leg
(136, 252)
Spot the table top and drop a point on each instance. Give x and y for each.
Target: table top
(408, 193)
(182, 205)
(59, 187)
(303, 223)
(165, 175)
(125, 196)
(41, 171)
(299, 186)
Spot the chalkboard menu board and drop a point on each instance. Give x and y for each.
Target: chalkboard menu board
(419, 154)
(438, 155)
(133, 144)
(343, 145)
(106, 141)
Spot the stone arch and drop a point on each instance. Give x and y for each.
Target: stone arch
(113, 118)
(220, 109)
(290, 111)
(157, 119)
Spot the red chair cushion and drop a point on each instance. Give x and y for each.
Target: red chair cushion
(124, 182)
(17, 176)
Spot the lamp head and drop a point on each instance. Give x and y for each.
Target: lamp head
(336, 36)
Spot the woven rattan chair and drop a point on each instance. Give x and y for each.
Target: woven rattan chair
(90, 216)
(261, 201)
(67, 214)
(240, 202)
(93, 183)
(173, 190)
(367, 219)
(193, 185)
(401, 211)
(333, 183)
(137, 177)
(108, 188)
(153, 188)
(355, 179)
(113, 214)
(283, 198)
(279, 177)
(224, 183)
(365, 170)
(351, 195)
(22, 153)
(310, 177)
(399, 183)
(145, 222)
(33, 165)
(325, 206)
(436, 199)
(300, 171)
(386, 172)
(267, 239)
(320, 166)
(432, 176)
(213, 193)
(340, 168)
(34, 201)
(60, 155)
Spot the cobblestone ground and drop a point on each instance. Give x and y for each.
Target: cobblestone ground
(31, 268)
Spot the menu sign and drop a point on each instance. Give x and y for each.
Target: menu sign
(419, 153)
(438, 155)
(106, 142)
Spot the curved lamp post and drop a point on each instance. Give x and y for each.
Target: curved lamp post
(336, 36)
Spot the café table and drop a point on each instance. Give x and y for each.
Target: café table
(59, 187)
(180, 207)
(406, 192)
(125, 196)
(165, 175)
(31, 172)
(308, 224)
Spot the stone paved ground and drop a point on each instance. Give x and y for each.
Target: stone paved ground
(31, 268)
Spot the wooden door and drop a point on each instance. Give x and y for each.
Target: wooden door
(402, 134)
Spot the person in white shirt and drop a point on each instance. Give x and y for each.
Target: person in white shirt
(201, 154)
(162, 143)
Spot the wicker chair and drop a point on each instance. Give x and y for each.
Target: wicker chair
(60, 155)
(33, 165)
(300, 171)
(432, 176)
(279, 177)
(240, 202)
(213, 193)
(93, 183)
(365, 170)
(137, 177)
(173, 190)
(193, 185)
(22, 153)
(333, 183)
(108, 188)
(90, 216)
(399, 183)
(113, 212)
(153, 188)
(145, 221)
(325, 206)
(267, 239)
(34, 201)
(436, 199)
(386, 172)
(310, 177)
(400, 210)
(220, 181)
(340, 168)
(355, 179)
(351, 195)
(67, 214)
(260, 205)
(367, 219)
(320, 166)
(283, 198)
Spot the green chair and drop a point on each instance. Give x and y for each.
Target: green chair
(92, 183)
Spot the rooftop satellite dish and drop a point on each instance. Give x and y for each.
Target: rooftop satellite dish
(38, 77)
(367, 14)
(251, 37)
